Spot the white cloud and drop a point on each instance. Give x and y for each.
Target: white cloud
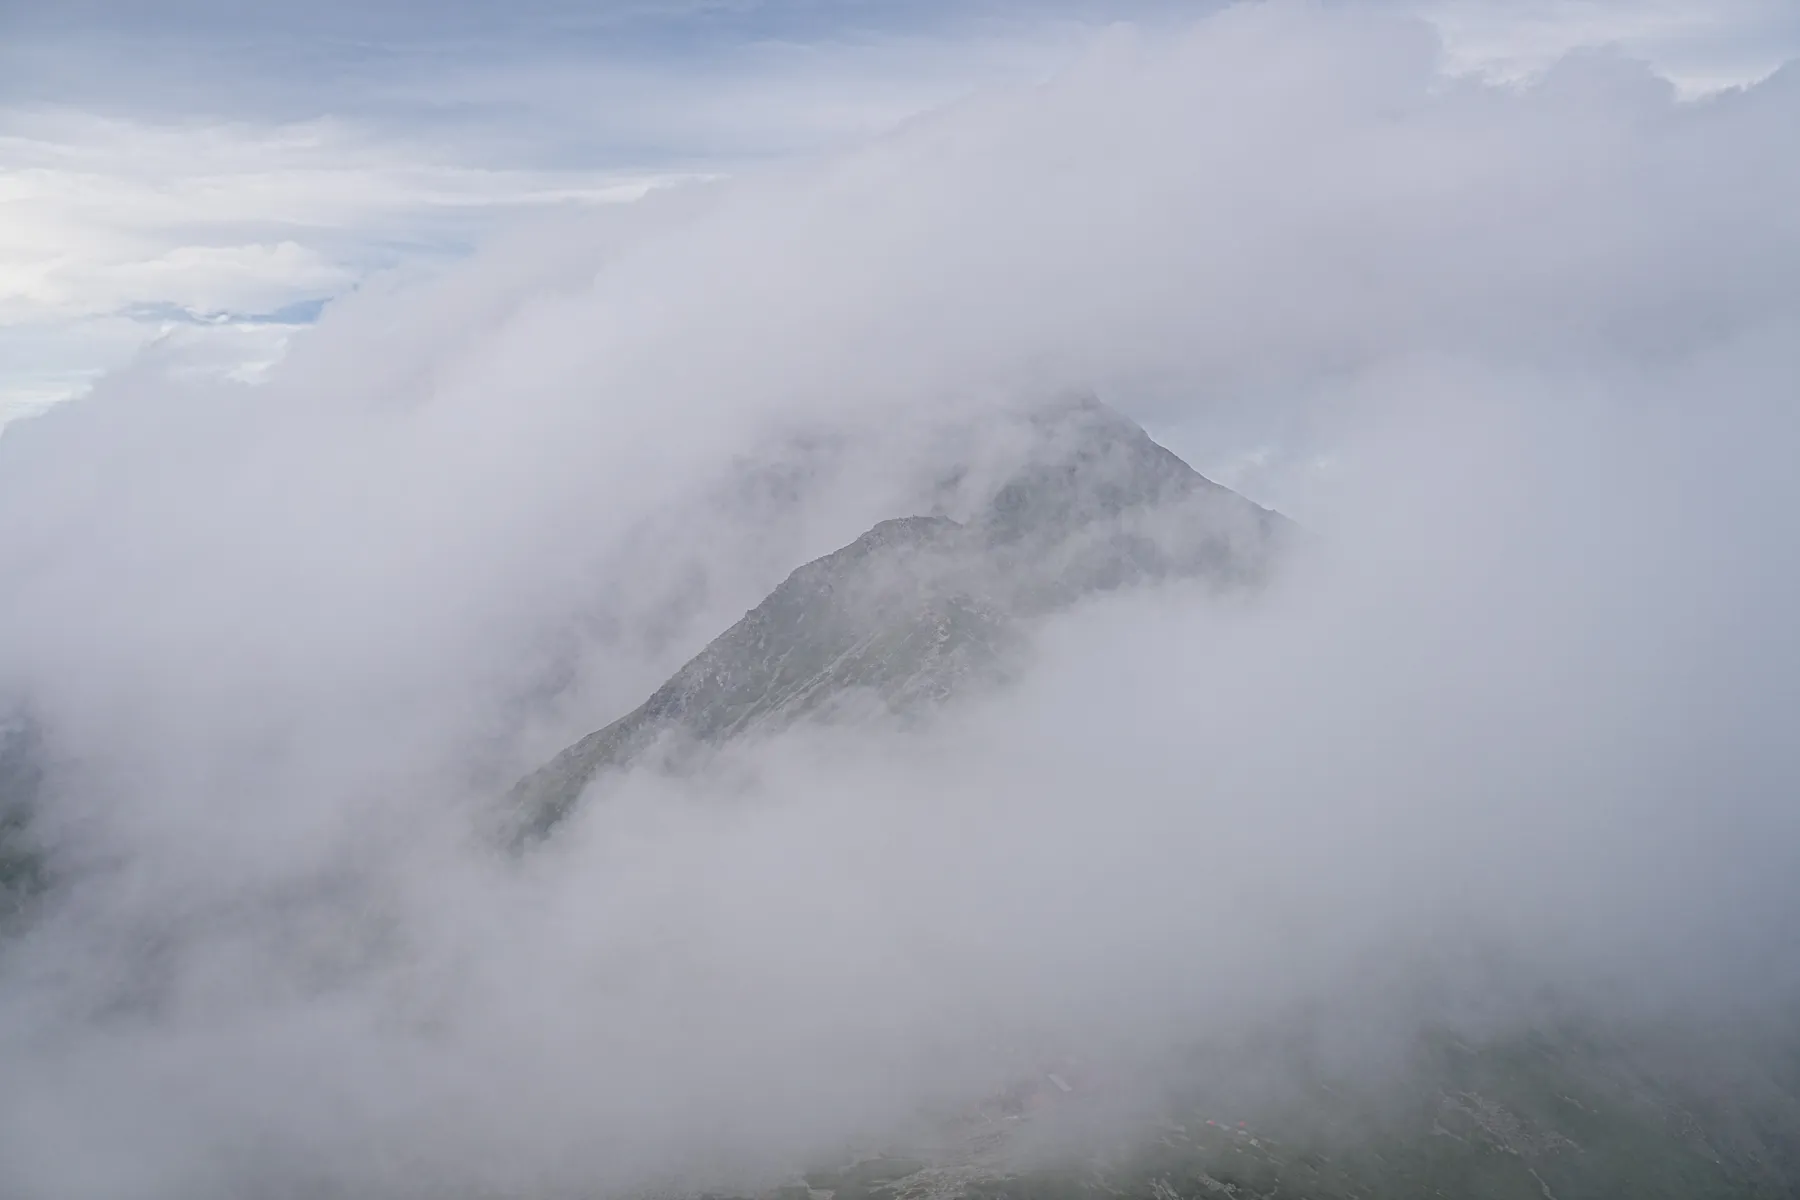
(441, 135)
(1702, 47)
(121, 214)
(120, 227)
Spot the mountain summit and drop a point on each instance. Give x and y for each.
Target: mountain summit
(921, 608)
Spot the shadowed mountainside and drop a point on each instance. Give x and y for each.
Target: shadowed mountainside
(21, 783)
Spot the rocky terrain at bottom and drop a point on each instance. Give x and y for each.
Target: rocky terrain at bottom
(1559, 1116)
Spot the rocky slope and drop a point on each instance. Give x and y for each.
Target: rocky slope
(921, 608)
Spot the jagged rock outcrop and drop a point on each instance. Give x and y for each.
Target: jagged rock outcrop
(921, 608)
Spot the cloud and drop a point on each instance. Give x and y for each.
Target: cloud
(120, 229)
(142, 152)
(1701, 47)
(237, 187)
(1535, 692)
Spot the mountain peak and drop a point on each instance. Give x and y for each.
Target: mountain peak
(919, 609)
(1087, 463)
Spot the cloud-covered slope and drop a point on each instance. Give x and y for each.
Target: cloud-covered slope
(920, 608)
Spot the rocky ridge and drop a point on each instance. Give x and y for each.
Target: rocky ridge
(920, 609)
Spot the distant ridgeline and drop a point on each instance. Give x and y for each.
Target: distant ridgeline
(921, 608)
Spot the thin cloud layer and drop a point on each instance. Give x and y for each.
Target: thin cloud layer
(127, 234)
(1532, 692)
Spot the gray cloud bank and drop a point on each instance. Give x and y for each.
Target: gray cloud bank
(1528, 358)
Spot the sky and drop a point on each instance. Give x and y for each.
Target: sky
(193, 181)
(1519, 352)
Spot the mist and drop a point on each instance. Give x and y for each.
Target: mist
(1521, 359)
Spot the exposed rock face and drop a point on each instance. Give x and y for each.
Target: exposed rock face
(921, 608)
